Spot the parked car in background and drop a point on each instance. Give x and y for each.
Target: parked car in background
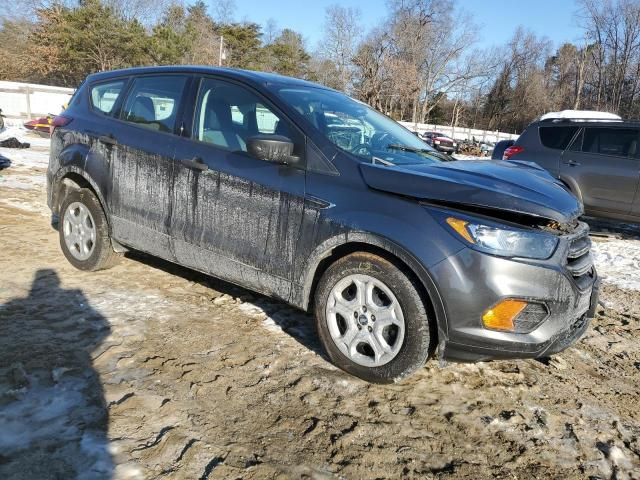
(594, 154)
(301, 193)
(41, 125)
(499, 148)
(440, 142)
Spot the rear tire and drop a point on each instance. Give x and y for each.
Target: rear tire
(350, 294)
(84, 232)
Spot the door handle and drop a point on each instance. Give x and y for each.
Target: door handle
(196, 163)
(108, 139)
(573, 163)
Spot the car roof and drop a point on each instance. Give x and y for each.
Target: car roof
(250, 76)
(584, 123)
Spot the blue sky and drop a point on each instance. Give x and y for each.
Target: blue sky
(497, 19)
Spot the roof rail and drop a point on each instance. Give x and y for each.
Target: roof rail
(580, 116)
(603, 120)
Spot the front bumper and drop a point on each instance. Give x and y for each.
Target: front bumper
(471, 282)
(445, 148)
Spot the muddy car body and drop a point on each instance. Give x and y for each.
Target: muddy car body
(395, 251)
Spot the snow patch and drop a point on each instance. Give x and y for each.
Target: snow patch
(23, 182)
(43, 412)
(271, 325)
(24, 135)
(25, 206)
(26, 157)
(618, 262)
(459, 156)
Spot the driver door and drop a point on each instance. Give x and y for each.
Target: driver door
(235, 216)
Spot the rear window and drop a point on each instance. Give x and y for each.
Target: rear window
(153, 101)
(105, 95)
(557, 138)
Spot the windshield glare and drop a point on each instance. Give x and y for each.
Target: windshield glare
(357, 128)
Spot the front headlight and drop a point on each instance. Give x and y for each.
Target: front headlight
(504, 241)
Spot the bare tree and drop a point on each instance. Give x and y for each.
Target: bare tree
(370, 62)
(342, 32)
(223, 10)
(436, 39)
(612, 27)
(271, 31)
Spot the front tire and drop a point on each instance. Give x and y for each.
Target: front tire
(84, 233)
(371, 319)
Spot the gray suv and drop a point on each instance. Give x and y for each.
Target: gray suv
(301, 193)
(599, 161)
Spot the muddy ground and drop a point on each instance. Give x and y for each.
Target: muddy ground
(149, 370)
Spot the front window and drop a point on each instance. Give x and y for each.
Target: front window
(357, 128)
(227, 115)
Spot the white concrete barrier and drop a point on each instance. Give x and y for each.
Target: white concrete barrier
(461, 133)
(29, 100)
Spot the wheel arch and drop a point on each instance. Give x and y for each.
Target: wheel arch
(338, 247)
(72, 176)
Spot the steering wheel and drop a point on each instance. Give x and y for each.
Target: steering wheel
(362, 149)
(380, 140)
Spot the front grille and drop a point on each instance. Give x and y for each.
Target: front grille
(579, 261)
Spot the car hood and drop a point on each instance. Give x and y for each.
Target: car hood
(521, 187)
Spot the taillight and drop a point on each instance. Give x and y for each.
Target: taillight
(58, 121)
(511, 151)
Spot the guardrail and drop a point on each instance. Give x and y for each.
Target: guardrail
(29, 100)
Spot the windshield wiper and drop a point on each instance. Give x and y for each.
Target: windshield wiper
(406, 148)
(376, 160)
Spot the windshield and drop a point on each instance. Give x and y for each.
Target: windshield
(357, 128)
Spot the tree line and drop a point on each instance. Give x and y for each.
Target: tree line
(421, 63)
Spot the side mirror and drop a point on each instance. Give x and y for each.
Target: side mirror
(272, 148)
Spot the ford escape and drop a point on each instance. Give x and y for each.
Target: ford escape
(299, 192)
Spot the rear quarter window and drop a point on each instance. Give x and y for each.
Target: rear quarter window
(105, 95)
(557, 138)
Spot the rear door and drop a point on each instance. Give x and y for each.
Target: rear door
(143, 160)
(603, 163)
(235, 216)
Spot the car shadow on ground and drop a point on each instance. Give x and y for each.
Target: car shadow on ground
(53, 414)
(296, 323)
(613, 228)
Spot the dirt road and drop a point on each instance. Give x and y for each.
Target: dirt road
(149, 370)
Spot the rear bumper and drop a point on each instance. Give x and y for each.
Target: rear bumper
(474, 282)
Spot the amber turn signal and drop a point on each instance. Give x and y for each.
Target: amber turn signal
(502, 315)
(460, 226)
